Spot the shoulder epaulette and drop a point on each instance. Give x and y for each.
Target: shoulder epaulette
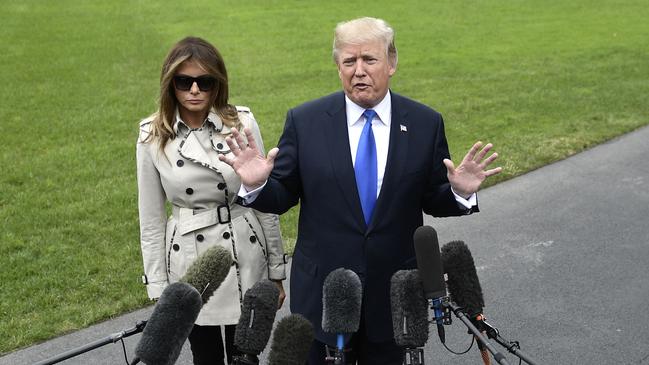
(244, 109)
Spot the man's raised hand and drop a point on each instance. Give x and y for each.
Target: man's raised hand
(248, 162)
(467, 177)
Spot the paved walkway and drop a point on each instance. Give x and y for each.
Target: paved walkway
(562, 256)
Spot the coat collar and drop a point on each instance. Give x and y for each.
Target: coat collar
(191, 148)
(180, 127)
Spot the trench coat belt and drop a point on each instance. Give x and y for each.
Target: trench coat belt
(190, 220)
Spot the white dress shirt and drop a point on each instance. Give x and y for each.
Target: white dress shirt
(380, 128)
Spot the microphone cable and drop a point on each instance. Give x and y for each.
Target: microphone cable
(463, 352)
(124, 350)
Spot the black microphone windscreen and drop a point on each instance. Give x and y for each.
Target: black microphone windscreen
(409, 309)
(429, 262)
(257, 316)
(208, 271)
(292, 340)
(170, 324)
(463, 283)
(342, 294)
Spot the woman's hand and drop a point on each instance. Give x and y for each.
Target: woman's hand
(282, 293)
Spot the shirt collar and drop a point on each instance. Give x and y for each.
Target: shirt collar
(355, 111)
(212, 118)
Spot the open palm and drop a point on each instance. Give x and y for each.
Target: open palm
(248, 163)
(466, 178)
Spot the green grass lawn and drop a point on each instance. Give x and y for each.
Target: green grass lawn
(540, 79)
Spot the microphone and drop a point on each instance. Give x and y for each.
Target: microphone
(342, 294)
(208, 271)
(176, 311)
(169, 326)
(409, 315)
(465, 290)
(292, 340)
(430, 270)
(256, 321)
(463, 283)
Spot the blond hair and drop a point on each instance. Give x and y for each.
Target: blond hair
(364, 30)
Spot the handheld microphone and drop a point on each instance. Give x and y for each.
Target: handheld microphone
(430, 271)
(256, 321)
(342, 295)
(208, 271)
(169, 326)
(409, 315)
(292, 340)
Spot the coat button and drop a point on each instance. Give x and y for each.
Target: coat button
(180, 163)
(200, 238)
(219, 146)
(253, 239)
(189, 191)
(221, 186)
(226, 235)
(176, 247)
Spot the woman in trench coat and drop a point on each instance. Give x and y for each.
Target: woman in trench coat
(178, 169)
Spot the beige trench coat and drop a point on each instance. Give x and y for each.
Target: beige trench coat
(202, 191)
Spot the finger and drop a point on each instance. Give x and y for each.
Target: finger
(492, 172)
(483, 152)
(232, 145)
(251, 138)
(449, 166)
(272, 154)
(235, 132)
(226, 159)
(241, 142)
(474, 149)
(490, 159)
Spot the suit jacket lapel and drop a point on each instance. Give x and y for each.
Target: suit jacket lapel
(335, 130)
(397, 154)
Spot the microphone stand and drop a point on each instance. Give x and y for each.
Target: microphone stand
(511, 346)
(500, 358)
(139, 327)
(338, 356)
(246, 359)
(413, 356)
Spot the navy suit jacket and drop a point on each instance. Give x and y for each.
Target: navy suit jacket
(314, 167)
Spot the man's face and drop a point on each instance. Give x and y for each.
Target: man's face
(365, 72)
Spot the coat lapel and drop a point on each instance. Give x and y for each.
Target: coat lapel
(335, 130)
(190, 147)
(397, 154)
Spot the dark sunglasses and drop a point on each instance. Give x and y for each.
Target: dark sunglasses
(184, 83)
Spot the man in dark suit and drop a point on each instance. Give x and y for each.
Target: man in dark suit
(362, 186)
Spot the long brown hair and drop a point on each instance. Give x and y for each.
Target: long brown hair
(207, 57)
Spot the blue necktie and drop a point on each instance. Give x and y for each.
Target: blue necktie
(365, 167)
